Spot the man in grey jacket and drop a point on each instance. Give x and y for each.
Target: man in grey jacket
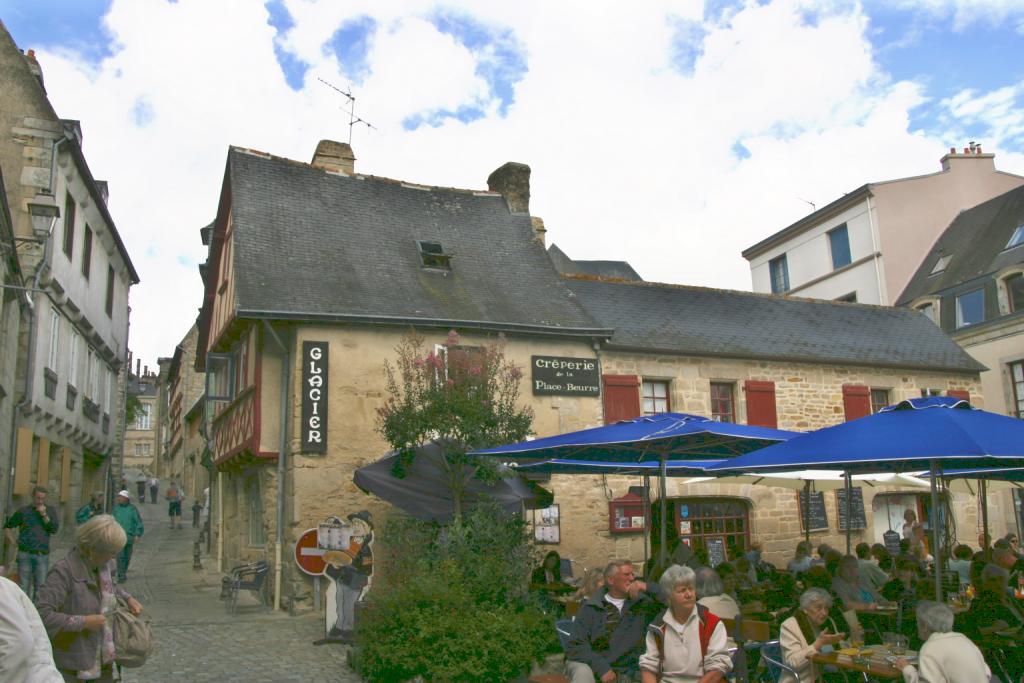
(608, 633)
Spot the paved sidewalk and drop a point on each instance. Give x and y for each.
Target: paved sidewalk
(197, 640)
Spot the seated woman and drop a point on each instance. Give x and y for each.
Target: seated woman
(993, 609)
(961, 563)
(801, 561)
(711, 594)
(807, 632)
(687, 644)
(76, 596)
(592, 582)
(946, 655)
(547, 580)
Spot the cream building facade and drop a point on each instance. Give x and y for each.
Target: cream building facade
(406, 256)
(141, 436)
(74, 329)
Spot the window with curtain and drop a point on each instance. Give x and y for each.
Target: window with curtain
(778, 268)
(723, 402)
(654, 397)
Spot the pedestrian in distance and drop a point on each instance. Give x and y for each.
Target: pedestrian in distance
(77, 597)
(36, 523)
(90, 509)
(25, 652)
(140, 484)
(127, 515)
(173, 496)
(154, 487)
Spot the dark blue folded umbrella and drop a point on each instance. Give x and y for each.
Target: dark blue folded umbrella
(674, 468)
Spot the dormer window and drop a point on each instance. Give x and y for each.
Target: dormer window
(432, 255)
(941, 264)
(1017, 238)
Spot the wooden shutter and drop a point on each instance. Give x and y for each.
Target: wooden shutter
(959, 393)
(621, 397)
(43, 463)
(760, 403)
(856, 401)
(23, 462)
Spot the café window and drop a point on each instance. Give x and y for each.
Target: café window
(700, 521)
(655, 396)
(879, 399)
(723, 402)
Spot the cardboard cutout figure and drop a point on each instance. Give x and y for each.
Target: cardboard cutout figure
(350, 564)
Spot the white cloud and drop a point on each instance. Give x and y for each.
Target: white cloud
(968, 13)
(631, 157)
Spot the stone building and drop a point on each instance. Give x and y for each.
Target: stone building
(141, 436)
(319, 254)
(866, 245)
(183, 454)
(73, 337)
(13, 302)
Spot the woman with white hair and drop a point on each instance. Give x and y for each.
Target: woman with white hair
(946, 656)
(687, 644)
(809, 631)
(76, 598)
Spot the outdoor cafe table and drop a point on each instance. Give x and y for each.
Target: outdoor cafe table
(875, 665)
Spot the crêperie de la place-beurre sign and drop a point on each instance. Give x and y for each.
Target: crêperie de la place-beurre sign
(559, 376)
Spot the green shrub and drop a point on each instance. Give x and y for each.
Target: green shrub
(453, 604)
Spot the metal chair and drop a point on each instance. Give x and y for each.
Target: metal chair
(247, 577)
(771, 654)
(564, 628)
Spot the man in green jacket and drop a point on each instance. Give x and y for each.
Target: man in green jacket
(90, 509)
(127, 515)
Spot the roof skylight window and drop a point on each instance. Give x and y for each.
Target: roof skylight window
(432, 255)
(941, 264)
(1017, 238)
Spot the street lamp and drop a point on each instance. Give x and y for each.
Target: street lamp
(44, 212)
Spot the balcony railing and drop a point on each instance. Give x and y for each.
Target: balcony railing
(234, 429)
(90, 410)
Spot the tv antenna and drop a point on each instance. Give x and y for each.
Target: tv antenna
(351, 111)
(813, 205)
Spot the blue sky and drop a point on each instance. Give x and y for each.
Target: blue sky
(672, 135)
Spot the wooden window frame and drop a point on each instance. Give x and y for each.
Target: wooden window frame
(667, 398)
(693, 535)
(875, 393)
(731, 386)
(1017, 388)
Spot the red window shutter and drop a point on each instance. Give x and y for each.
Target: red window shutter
(761, 403)
(621, 397)
(960, 394)
(856, 401)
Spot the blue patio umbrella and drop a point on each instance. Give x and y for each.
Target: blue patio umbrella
(901, 437)
(652, 438)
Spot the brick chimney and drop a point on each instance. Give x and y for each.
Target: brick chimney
(336, 157)
(512, 180)
(34, 68)
(971, 157)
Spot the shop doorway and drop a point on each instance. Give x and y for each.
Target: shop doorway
(888, 509)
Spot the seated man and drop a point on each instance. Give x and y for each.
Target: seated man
(903, 588)
(849, 588)
(946, 655)
(607, 636)
(992, 610)
(870, 572)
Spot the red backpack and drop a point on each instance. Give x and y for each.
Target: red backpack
(708, 622)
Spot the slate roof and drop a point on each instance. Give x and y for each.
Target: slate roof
(315, 245)
(976, 239)
(607, 269)
(714, 322)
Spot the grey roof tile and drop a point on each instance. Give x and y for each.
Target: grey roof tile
(715, 322)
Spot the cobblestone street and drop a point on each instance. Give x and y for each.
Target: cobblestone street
(197, 640)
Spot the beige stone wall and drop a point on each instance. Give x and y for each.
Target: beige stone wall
(808, 396)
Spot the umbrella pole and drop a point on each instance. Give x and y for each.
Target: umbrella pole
(935, 521)
(983, 500)
(849, 508)
(647, 520)
(663, 475)
(807, 511)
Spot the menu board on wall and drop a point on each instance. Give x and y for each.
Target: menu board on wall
(818, 515)
(859, 518)
(546, 525)
(716, 551)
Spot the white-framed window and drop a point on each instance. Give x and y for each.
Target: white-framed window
(51, 361)
(90, 388)
(970, 308)
(654, 395)
(144, 416)
(778, 269)
(76, 340)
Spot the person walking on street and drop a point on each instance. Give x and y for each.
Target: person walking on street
(173, 496)
(90, 509)
(127, 515)
(154, 486)
(140, 484)
(36, 523)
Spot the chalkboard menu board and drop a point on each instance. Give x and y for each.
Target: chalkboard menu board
(716, 551)
(860, 520)
(891, 539)
(819, 518)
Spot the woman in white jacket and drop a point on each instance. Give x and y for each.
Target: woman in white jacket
(806, 633)
(687, 644)
(25, 653)
(946, 656)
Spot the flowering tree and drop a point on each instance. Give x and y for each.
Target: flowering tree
(461, 397)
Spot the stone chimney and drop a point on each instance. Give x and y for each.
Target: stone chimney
(336, 157)
(971, 157)
(34, 68)
(512, 180)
